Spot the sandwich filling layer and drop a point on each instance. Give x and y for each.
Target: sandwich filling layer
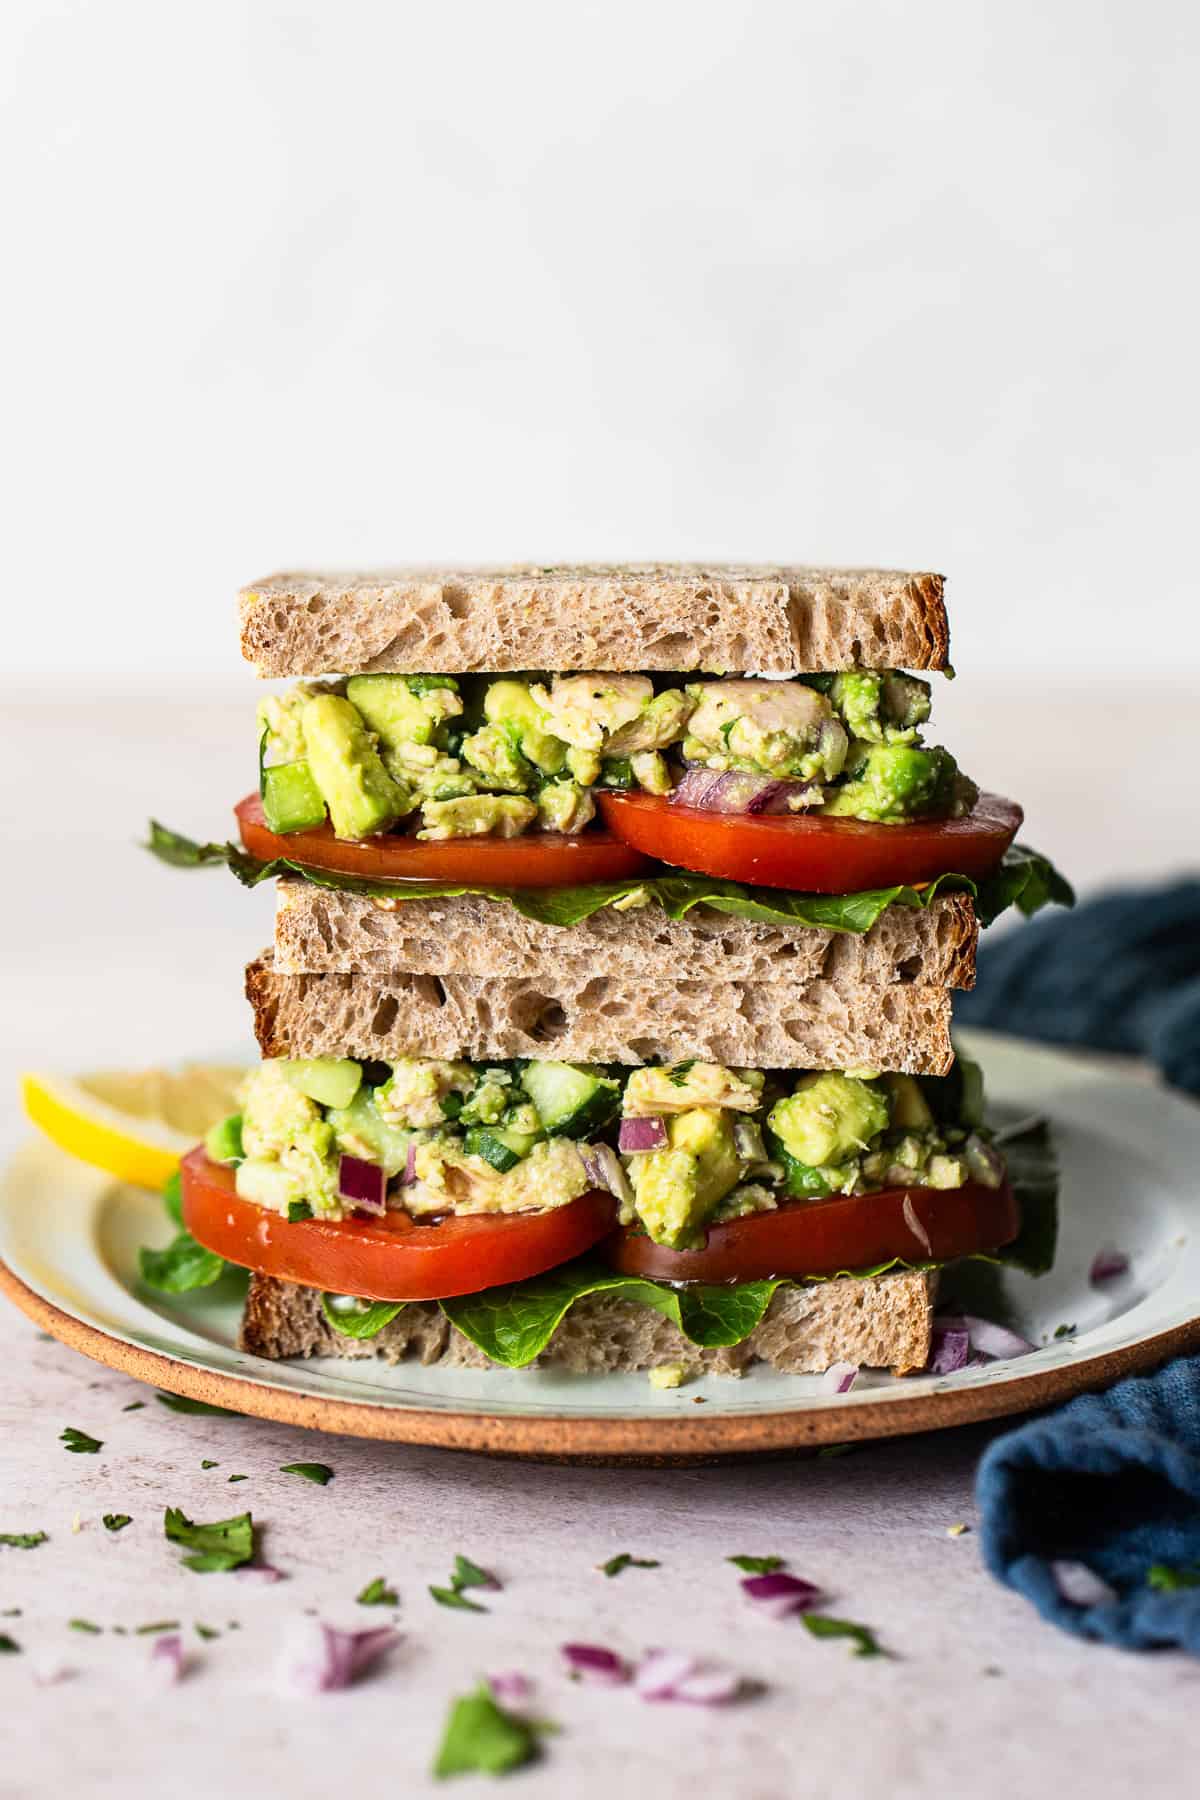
(443, 757)
(680, 1147)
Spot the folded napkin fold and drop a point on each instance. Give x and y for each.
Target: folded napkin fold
(1111, 1481)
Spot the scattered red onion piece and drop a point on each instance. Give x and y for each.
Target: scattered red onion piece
(318, 1659)
(951, 1348)
(840, 1377)
(49, 1670)
(364, 1184)
(1081, 1585)
(738, 791)
(510, 1687)
(637, 1135)
(262, 1574)
(410, 1166)
(592, 1662)
(1108, 1264)
(673, 1675)
(166, 1658)
(778, 1594)
(986, 1338)
(748, 1141)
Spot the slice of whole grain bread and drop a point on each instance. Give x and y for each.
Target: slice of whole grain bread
(319, 931)
(725, 619)
(574, 1016)
(880, 1323)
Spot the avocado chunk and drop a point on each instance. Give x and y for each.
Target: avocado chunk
(909, 1107)
(291, 799)
(677, 1190)
(900, 781)
(360, 1130)
(566, 807)
(404, 709)
(329, 1080)
(361, 796)
(829, 1118)
(510, 705)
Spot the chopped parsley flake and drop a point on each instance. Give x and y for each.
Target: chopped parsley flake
(181, 1404)
(8, 1644)
(624, 1560)
(1063, 1331)
(206, 1631)
(678, 1075)
(156, 1626)
(239, 1478)
(206, 1462)
(377, 1593)
(1168, 1580)
(482, 1737)
(134, 1406)
(225, 1544)
(116, 1521)
(24, 1540)
(862, 1637)
(85, 1625)
(466, 1575)
(757, 1565)
(321, 1473)
(78, 1442)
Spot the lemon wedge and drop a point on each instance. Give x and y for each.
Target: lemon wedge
(133, 1124)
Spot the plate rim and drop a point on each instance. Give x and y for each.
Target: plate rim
(653, 1438)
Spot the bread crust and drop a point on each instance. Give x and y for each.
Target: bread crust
(682, 618)
(319, 931)
(601, 1017)
(881, 1323)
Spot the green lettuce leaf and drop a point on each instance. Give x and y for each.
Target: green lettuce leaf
(181, 1267)
(1024, 878)
(367, 1321)
(512, 1325)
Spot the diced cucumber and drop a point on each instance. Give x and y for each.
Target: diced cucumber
(223, 1141)
(570, 1101)
(360, 1124)
(500, 1147)
(291, 799)
(329, 1080)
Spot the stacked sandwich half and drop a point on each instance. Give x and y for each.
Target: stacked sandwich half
(607, 1018)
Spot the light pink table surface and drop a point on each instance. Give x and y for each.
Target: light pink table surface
(109, 959)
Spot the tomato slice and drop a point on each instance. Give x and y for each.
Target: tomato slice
(825, 1237)
(543, 859)
(812, 855)
(390, 1258)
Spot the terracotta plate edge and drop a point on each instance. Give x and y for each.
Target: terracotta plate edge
(615, 1439)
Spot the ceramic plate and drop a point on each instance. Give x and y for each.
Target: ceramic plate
(1128, 1152)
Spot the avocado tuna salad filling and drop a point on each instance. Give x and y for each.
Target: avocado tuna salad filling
(680, 1147)
(440, 756)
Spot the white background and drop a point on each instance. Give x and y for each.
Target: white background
(903, 283)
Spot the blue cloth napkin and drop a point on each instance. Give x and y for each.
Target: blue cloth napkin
(1121, 972)
(1111, 1481)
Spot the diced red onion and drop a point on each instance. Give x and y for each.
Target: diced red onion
(592, 1662)
(839, 1377)
(364, 1184)
(673, 1675)
(949, 1350)
(779, 1594)
(261, 1574)
(510, 1687)
(984, 1161)
(1108, 1264)
(1081, 1585)
(410, 1166)
(987, 1338)
(49, 1670)
(318, 1659)
(738, 791)
(166, 1658)
(748, 1141)
(604, 1171)
(637, 1135)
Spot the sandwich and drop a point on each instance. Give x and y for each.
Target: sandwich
(607, 1020)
